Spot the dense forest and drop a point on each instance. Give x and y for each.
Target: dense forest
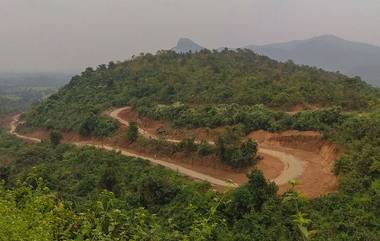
(206, 78)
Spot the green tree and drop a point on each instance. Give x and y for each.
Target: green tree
(88, 126)
(299, 219)
(132, 132)
(187, 146)
(55, 137)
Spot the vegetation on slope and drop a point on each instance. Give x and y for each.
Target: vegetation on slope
(106, 196)
(205, 78)
(84, 193)
(250, 118)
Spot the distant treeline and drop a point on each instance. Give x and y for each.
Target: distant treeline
(19, 90)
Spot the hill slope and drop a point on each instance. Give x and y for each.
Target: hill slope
(204, 78)
(331, 53)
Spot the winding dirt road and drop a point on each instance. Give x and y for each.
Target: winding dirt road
(182, 170)
(293, 167)
(13, 127)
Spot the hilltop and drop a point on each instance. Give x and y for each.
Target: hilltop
(185, 45)
(198, 79)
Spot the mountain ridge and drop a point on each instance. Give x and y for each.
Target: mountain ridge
(328, 52)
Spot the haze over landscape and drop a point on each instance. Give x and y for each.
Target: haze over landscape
(40, 35)
(203, 120)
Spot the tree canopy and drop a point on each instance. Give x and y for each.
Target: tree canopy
(197, 79)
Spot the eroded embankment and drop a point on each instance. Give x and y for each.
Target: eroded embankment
(180, 169)
(288, 155)
(318, 155)
(304, 155)
(292, 167)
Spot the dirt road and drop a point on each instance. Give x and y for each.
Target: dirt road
(182, 170)
(13, 127)
(293, 167)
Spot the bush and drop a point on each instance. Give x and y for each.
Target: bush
(98, 126)
(132, 132)
(235, 153)
(187, 146)
(55, 137)
(204, 149)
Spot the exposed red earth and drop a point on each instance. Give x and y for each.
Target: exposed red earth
(286, 156)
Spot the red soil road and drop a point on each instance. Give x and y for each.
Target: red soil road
(177, 168)
(293, 166)
(317, 157)
(313, 157)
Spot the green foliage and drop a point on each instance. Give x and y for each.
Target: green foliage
(132, 132)
(293, 198)
(235, 153)
(252, 196)
(97, 195)
(204, 148)
(97, 126)
(30, 214)
(205, 78)
(187, 146)
(55, 137)
(318, 120)
(249, 118)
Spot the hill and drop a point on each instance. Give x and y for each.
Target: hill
(331, 53)
(185, 45)
(204, 78)
(87, 191)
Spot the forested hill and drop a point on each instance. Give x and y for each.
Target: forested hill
(203, 78)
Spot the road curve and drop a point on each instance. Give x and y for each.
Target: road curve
(293, 167)
(13, 127)
(182, 170)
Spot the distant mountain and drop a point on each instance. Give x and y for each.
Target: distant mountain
(331, 53)
(185, 45)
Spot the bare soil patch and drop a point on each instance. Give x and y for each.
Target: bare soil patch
(315, 177)
(318, 155)
(210, 165)
(165, 130)
(300, 107)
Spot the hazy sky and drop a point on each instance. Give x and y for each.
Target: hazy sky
(64, 35)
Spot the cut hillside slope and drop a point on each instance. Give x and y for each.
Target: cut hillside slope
(178, 168)
(304, 155)
(204, 78)
(319, 157)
